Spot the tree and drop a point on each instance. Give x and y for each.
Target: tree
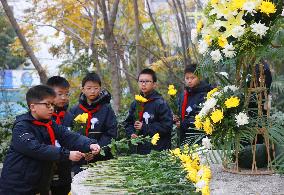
(7, 36)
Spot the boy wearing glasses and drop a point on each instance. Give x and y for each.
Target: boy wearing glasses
(194, 94)
(61, 182)
(101, 124)
(155, 116)
(28, 164)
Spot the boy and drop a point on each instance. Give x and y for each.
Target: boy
(101, 123)
(28, 164)
(194, 94)
(61, 182)
(157, 116)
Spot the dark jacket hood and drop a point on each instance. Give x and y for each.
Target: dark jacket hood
(103, 98)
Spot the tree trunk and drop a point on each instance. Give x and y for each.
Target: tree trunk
(109, 20)
(25, 44)
(137, 36)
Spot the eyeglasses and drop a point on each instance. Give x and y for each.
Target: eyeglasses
(144, 82)
(48, 105)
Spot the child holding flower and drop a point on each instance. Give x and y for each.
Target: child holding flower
(149, 114)
(101, 121)
(194, 94)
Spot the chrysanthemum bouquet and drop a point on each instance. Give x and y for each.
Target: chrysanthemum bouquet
(139, 106)
(80, 123)
(223, 114)
(233, 27)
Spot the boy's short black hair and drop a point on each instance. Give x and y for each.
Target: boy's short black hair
(190, 68)
(39, 93)
(150, 72)
(92, 76)
(57, 81)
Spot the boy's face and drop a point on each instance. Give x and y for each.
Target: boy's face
(91, 90)
(191, 80)
(146, 83)
(62, 96)
(43, 110)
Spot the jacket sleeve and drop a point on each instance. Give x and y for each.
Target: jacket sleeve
(25, 142)
(72, 140)
(110, 126)
(163, 124)
(130, 120)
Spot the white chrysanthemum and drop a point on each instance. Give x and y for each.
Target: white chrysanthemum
(242, 119)
(200, 184)
(238, 31)
(224, 74)
(216, 55)
(209, 104)
(250, 6)
(229, 51)
(233, 88)
(202, 47)
(206, 143)
(217, 24)
(282, 14)
(194, 36)
(259, 29)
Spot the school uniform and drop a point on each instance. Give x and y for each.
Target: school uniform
(156, 117)
(101, 124)
(27, 168)
(189, 107)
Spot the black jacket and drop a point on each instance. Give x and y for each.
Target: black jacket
(196, 96)
(28, 163)
(104, 129)
(62, 169)
(160, 121)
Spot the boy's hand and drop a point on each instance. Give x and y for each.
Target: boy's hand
(178, 124)
(138, 125)
(76, 155)
(133, 136)
(175, 118)
(95, 148)
(89, 157)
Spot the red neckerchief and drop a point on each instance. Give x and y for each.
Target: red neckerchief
(141, 112)
(49, 129)
(184, 104)
(90, 114)
(59, 116)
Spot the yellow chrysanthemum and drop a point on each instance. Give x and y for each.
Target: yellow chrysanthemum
(185, 149)
(236, 4)
(171, 87)
(267, 7)
(208, 39)
(210, 93)
(81, 118)
(155, 139)
(213, 2)
(207, 126)
(175, 152)
(232, 102)
(172, 92)
(217, 115)
(197, 122)
(222, 42)
(205, 190)
(140, 98)
(199, 26)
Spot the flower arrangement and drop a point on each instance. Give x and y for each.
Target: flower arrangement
(223, 112)
(233, 27)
